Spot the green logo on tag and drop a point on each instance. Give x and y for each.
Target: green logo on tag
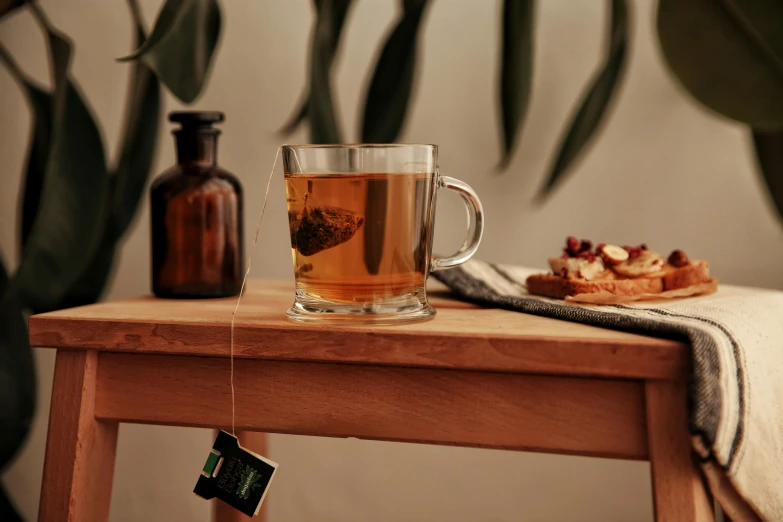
(248, 482)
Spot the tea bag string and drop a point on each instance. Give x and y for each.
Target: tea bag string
(244, 281)
(242, 289)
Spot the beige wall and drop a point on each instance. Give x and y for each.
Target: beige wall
(664, 172)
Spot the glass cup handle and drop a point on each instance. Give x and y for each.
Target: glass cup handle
(475, 224)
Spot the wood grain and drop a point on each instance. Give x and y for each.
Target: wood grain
(255, 441)
(79, 463)
(679, 492)
(482, 409)
(460, 337)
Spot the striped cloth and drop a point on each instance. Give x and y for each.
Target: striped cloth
(736, 387)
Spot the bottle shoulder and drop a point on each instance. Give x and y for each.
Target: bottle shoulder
(166, 178)
(177, 180)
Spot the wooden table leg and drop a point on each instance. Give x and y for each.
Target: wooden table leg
(255, 441)
(679, 492)
(79, 463)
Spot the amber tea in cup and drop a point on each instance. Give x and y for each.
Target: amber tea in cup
(361, 223)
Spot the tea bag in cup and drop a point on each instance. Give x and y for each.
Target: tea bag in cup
(318, 228)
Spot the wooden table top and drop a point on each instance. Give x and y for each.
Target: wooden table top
(461, 336)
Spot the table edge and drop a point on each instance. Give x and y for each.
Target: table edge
(655, 359)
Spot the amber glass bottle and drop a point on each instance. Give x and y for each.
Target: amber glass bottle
(196, 217)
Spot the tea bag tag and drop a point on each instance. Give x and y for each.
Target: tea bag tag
(238, 477)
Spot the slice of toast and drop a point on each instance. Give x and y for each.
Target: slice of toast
(556, 286)
(614, 274)
(692, 274)
(671, 278)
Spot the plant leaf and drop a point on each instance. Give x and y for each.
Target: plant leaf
(516, 71)
(69, 223)
(128, 180)
(91, 283)
(392, 82)
(8, 6)
(17, 373)
(181, 46)
(375, 223)
(140, 135)
(769, 154)
(296, 119)
(8, 511)
(728, 55)
(341, 12)
(320, 108)
(384, 114)
(40, 102)
(594, 105)
(169, 16)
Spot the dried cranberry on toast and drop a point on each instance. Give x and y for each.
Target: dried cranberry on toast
(627, 271)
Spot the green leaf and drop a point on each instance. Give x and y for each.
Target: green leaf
(320, 108)
(392, 82)
(296, 119)
(17, 373)
(728, 55)
(375, 223)
(593, 107)
(169, 16)
(128, 180)
(8, 512)
(384, 114)
(69, 223)
(341, 12)
(769, 154)
(516, 71)
(140, 136)
(41, 105)
(91, 283)
(8, 6)
(181, 46)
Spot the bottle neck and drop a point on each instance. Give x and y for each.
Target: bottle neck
(196, 149)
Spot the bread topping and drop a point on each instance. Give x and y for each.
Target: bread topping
(678, 259)
(643, 264)
(612, 254)
(611, 274)
(577, 266)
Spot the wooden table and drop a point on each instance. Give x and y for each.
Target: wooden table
(470, 377)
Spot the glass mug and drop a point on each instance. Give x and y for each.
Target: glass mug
(361, 221)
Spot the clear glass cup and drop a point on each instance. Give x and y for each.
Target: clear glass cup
(361, 219)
